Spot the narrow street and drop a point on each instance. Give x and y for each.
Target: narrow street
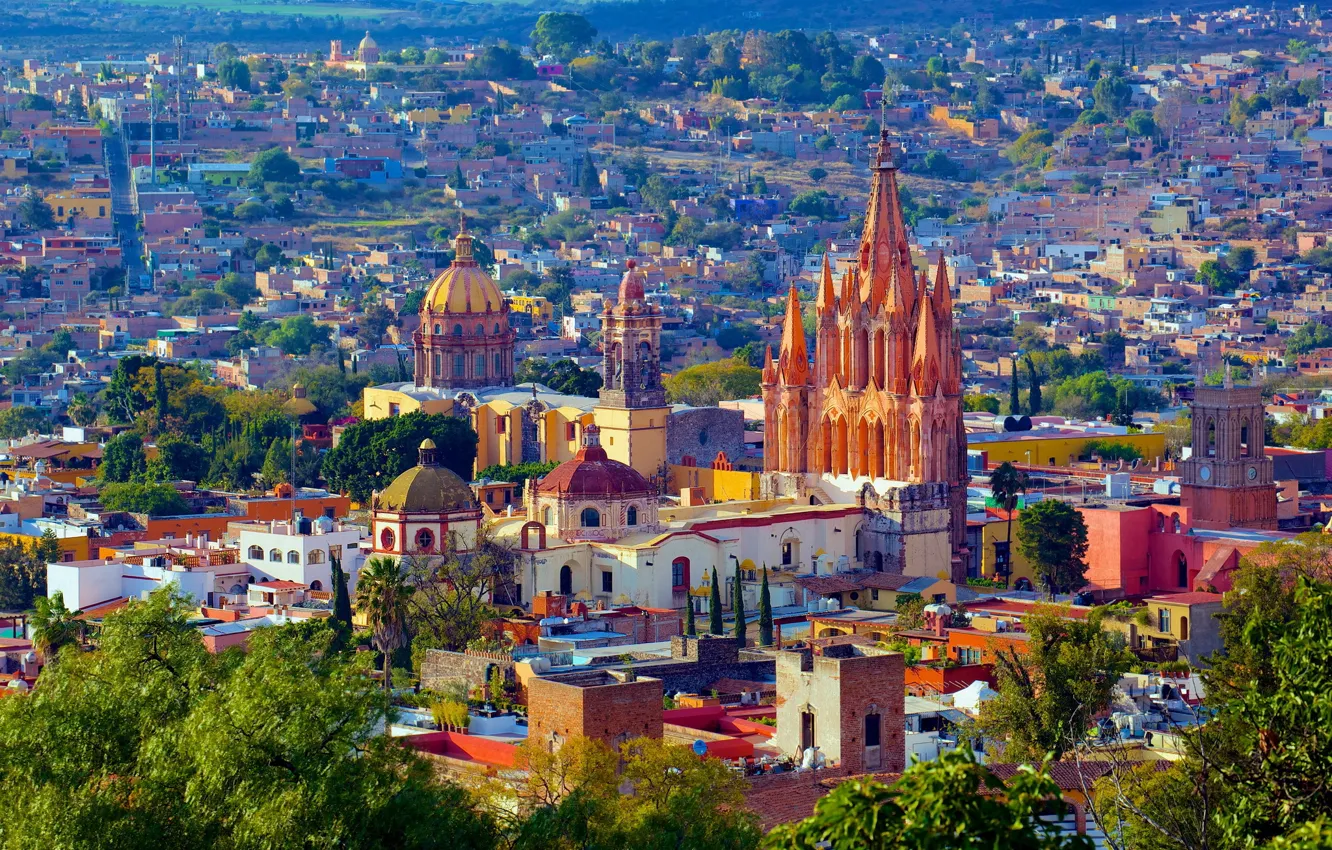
(124, 213)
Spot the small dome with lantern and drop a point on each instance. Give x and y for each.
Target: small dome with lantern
(426, 487)
(427, 509)
(591, 497)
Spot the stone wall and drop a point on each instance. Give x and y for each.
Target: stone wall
(702, 432)
(441, 667)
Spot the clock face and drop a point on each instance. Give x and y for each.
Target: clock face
(1205, 473)
(1253, 472)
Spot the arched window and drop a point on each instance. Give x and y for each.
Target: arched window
(257, 553)
(437, 328)
(1160, 523)
(480, 330)
(591, 518)
(457, 330)
(275, 556)
(680, 574)
(1211, 438)
(547, 516)
(293, 557)
(425, 541)
(316, 556)
(566, 581)
(1182, 566)
(316, 585)
(387, 539)
(631, 516)
(1244, 440)
(1174, 519)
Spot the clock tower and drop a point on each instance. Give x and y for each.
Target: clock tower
(1227, 482)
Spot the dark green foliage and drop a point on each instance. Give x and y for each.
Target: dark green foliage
(715, 626)
(765, 612)
(562, 376)
(370, 454)
(738, 604)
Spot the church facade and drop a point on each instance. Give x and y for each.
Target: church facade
(878, 411)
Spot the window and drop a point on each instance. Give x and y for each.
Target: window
(480, 330)
(438, 364)
(293, 557)
(497, 362)
(547, 516)
(874, 594)
(1163, 620)
(257, 553)
(335, 551)
(479, 365)
(788, 554)
(679, 573)
(497, 330)
(457, 330)
(425, 540)
(967, 655)
(275, 556)
(570, 431)
(387, 539)
(316, 556)
(873, 726)
(457, 366)
(501, 425)
(436, 327)
(607, 581)
(316, 585)
(631, 517)
(591, 518)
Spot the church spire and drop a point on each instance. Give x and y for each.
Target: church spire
(769, 369)
(793, 362)
(943, 298)
(827, 298)
(883, 243)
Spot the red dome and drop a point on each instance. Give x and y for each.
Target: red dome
(631, 285)
(592, 473)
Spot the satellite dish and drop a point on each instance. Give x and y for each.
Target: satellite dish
(700, 747)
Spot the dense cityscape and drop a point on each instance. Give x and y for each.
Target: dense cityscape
(475, 426)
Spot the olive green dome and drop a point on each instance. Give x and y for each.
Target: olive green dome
(426, 488)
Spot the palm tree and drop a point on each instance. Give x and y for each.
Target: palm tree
(54, 626)
(1006, 483)
(381, 594)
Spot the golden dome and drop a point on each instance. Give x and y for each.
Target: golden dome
(463, 287)
(426, 488)
(368, 42)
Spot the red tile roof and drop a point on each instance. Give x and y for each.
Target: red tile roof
(1194, 598)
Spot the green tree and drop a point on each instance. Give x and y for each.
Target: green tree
(449, 606)
(562, 34)
(370, 454)
(706, 384)
(35, 213)
(53, 626)
(82, 410)
(1141, 123)
(1007, 484)
(234, 74)
(139, 498)
(690, 628)
(123, 459)
(277, 463)
(1050, 690)
(951, 802)
(146, 754)
(738, 606)
(1034, 391)
(817, 174)
(298, 335)
(382, 594)
(20, 421)
(341, 620)
(1052, 536)
(1309, 336)
(1112, 95)
(1218, 276)
(765, 611)
(272, 166)
(714, 607)
(981, 402)
(588, 178)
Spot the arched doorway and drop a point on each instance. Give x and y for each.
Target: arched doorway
(566, 581)
(873, 752)
(1182, 568)
(1183, 628)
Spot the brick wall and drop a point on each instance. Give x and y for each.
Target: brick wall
(593, 704)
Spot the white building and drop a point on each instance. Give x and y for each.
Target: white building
(88, 584)
(301, 551)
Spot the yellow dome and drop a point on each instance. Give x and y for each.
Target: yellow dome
(426, 488)
(368, 42)
(463, 287)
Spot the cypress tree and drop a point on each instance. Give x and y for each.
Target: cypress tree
(691, 630)
(1034, 397)
(738, 603)
(160, 392)
(714, 607)
(765, 612)
(1013, 408)
(342, 614)
(342, 363)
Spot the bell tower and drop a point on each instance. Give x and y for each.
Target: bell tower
(1227, 482)
(633, 410)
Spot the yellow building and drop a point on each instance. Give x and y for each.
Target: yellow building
(1059, 447)
(66, 204)
(535, 306)
(996, 531)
